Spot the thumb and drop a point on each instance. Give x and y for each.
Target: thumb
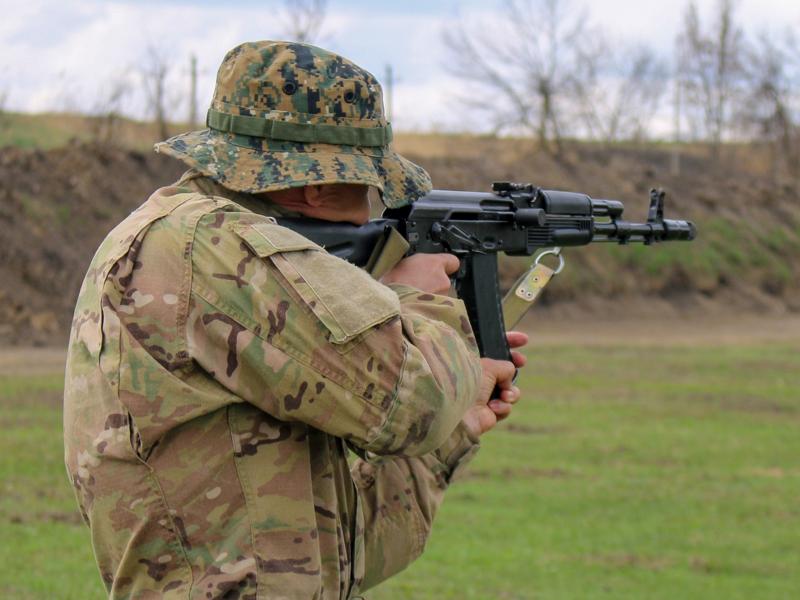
(450, 263)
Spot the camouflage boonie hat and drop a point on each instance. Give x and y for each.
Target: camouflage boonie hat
(286, 114)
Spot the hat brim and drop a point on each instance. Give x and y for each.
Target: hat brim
(256, 165)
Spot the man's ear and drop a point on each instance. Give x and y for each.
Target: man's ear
(313, 195)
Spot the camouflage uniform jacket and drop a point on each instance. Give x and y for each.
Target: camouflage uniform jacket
(220, 368)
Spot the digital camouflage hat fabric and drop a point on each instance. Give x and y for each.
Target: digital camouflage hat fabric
(289, 114)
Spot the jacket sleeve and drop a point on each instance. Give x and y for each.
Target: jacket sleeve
(306, 336)
(399, 498)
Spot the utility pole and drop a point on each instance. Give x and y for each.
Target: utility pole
(192, 91)
(675, 163)
(389, 86)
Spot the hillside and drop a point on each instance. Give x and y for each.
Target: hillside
(56, 206)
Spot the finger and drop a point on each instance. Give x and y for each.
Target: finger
(500, 409)
(498, 375)
(497, 385)
(511, 395)
(505, 374)
(450, 263)
(516, 339)
(518, 359)
(486, 419)
(504, 385)
(496, 368)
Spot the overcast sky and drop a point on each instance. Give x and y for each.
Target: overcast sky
(57, 55)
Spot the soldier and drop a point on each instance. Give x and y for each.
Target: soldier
(221, 368)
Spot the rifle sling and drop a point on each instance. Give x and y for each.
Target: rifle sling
(387, 253)
(525, 291)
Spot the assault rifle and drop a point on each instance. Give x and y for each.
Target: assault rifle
(518, 219)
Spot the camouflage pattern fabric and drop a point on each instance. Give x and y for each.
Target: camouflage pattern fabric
(220, 370)
(278, 110)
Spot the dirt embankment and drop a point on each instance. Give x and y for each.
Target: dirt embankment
(56, 206)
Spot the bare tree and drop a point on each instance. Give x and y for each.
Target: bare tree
(770, 111)
(105, 114)
(193, 111)
(618, 94)
(3, 100)
(5, 94)
(304, 19)
(154, 74)
(522, 72)
(710, 70)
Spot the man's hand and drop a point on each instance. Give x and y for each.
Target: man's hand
(488, 411)
(427, 272)
(431, 273)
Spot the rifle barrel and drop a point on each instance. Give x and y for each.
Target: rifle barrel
(659, 231)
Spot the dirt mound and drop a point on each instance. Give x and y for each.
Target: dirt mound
(56, 207)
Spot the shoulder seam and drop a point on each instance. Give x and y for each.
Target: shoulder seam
(182, 316)
(390, 414)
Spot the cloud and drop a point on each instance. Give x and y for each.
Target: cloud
(65, 55)
(79, 47)
(431, 105)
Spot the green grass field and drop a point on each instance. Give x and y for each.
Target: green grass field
(628, 472)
